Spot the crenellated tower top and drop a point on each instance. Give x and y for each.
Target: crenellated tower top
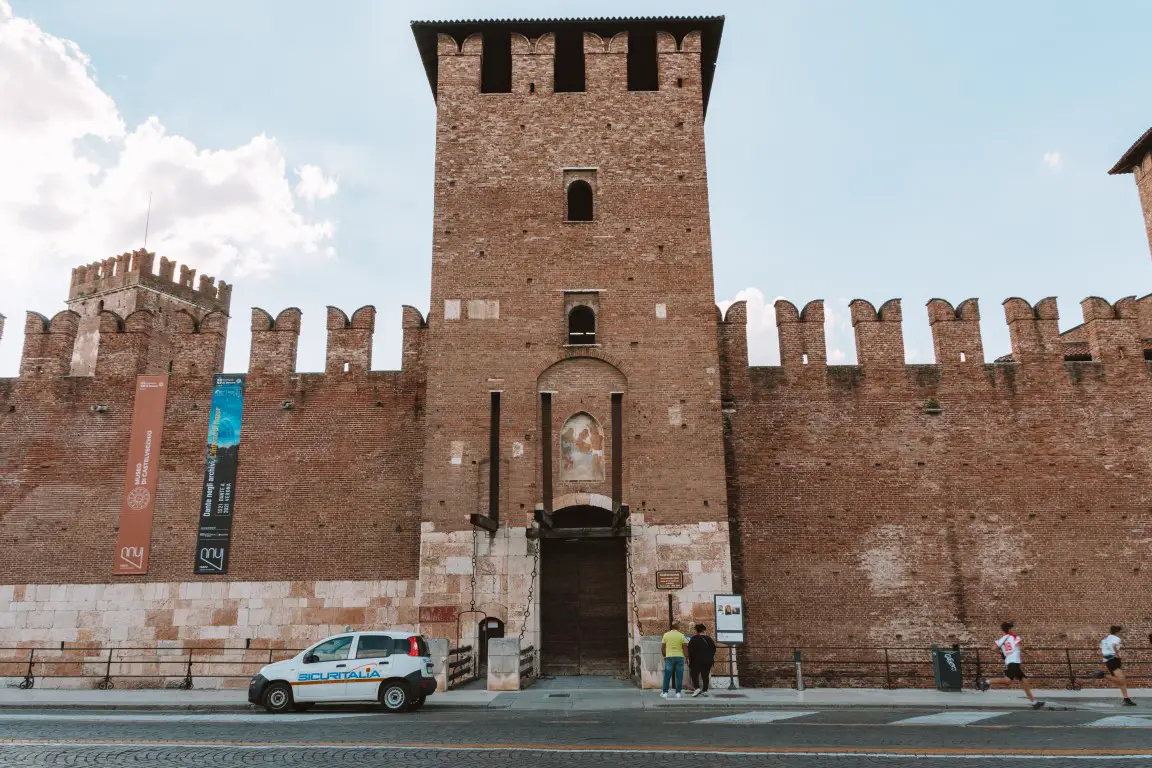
(542, 56)
(132, 282)
(135, 268)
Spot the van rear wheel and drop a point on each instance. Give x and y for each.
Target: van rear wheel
(278, 698)
(394, 696)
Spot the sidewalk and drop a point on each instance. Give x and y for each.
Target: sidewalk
(589, 699)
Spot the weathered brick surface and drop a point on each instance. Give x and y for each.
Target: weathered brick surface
(501, 235)
(864, 519)
(1144, 185)
(328, 489)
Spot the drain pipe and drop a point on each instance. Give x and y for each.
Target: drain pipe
(799, 670)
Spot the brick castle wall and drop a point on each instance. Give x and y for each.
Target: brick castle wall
(326, 489)
(866, 519)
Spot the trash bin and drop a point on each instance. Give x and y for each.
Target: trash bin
(947, 670)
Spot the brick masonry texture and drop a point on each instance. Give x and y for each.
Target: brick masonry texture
(326, 489)
(873, 504)
(891, 504)
(1143, 174)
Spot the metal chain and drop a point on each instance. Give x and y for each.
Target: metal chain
(638, 628)
(535, 547)
(475, 545)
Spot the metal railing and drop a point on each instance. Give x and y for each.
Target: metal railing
(135, 663)
(911, 667)
(461, 666)
(756, 666)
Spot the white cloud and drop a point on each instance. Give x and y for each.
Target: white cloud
(764, 342)
(1053, 160)
(76, 181)
(313, 184)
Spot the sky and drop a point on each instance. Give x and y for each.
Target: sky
(855, 150)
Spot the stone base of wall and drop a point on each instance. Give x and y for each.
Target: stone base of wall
(237, 626)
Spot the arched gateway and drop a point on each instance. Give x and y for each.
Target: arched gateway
(584, 596)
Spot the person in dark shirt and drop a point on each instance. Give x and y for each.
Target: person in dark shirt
(701, 656)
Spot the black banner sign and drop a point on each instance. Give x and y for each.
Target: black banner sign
(219, 497)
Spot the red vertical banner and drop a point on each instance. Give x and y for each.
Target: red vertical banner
(139, 497)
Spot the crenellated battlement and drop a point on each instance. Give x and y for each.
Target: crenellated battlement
(672, 55)
(879, 334)
(135, 268)
(350, 340)
(801, 335)
(1115, 338)
(275, 341)
(48, 344)
(956, 332)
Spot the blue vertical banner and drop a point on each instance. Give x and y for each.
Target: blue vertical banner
(219, 499)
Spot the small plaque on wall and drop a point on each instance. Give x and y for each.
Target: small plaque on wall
(438, 614)
(669, 579)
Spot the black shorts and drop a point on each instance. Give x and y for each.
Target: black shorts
(1113, 663)
(1014, 672)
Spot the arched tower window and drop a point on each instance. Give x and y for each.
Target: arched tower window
(579, 201)
(581, 325)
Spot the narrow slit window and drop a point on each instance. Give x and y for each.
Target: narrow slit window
(496, 63)
(568, 65)
(804, 359)
(580, 201)
(581, 325)
(643, 70)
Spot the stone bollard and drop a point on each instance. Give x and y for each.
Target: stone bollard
(504, 664)
(651, 663)
(438, 650)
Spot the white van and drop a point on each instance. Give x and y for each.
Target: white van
(394, 668)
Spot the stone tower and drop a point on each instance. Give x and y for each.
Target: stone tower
(1138, 162)
(126, 283)
(572, 352)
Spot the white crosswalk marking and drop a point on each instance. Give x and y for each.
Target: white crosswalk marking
(748, 718)
(950, 717)
(1123, 721)
(125, 717)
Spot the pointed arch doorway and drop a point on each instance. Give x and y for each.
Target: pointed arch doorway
(583, 598)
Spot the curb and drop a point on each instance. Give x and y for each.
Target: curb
(695, 706)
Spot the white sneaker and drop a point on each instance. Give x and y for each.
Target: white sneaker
(678, 695)
(664, 695)
(696, 693)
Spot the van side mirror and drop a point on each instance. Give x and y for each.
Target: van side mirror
(311, 658)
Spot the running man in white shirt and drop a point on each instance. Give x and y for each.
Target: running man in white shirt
(1009, 647)
(1110, 650)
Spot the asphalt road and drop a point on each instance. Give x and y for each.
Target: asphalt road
(482, 737)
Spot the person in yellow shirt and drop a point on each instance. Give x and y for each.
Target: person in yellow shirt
(672, 647)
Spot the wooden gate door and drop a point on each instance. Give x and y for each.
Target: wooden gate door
(584, 607)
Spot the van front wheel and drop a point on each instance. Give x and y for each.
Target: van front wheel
(394, 696)
(278, 698)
